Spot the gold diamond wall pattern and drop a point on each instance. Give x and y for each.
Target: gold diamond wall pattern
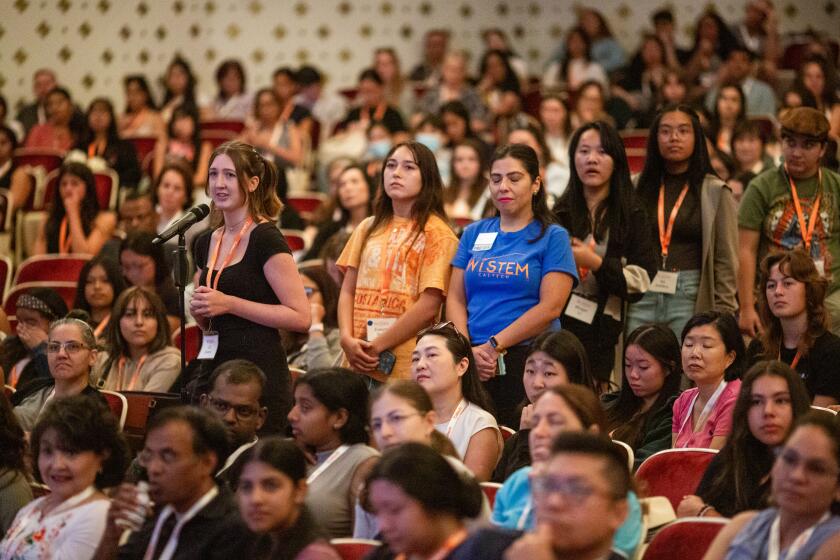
(93, 43)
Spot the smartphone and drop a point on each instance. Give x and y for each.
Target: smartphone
(387, 359)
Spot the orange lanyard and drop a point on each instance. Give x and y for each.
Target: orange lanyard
(64, 238)
(95, 148)
(100, 328)
(583, 272)
(134, 375)
(795, 359)
(211, 265)
(666, 233)
(377, 116)
(14, 375)
(806, 230)
(449, 545)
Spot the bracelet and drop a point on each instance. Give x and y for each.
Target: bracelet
(704, 510)
(316, 327)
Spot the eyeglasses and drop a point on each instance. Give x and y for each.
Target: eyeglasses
(242, 411)
(438, 327)
(572, 490)
(790, 460)
(394, 419)
(71, 347)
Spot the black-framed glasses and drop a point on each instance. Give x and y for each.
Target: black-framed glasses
(71, 347)
(242, 411)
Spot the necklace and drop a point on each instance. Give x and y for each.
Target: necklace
(232, 227)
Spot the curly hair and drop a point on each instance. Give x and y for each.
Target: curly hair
(84, 423)
(799, 266)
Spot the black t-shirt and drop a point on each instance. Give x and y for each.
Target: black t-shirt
(299, 113)
(686, 249)
(818, 368)
(391, 119)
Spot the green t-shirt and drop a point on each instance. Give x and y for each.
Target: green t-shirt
(767, 207)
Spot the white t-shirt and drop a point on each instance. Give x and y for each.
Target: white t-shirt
(470, 422)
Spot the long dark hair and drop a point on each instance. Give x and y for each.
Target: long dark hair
(88, 210)
(185, 111)
(427, 477)
(88, 135)
(625, 418)
(715, 123)
(829, 92)
(564, 347)
(225, 67)
(112, 272)
(339, 388)
(478, 186)
(800, 266)
(142, 243)
(428, 203)
(726, 39)
(329, 293)
(744, 459)
(189, 91)
(459, 345)
(510, 82)
(117, 345)
(613, 213)
(587, 41)
(345, 213)
(539, 202)
(12, 442)
(143, 84)
(653, 172)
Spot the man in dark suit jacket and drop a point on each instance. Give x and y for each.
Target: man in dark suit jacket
(34, 113)
(194, 518)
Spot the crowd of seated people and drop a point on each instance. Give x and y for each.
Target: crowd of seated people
(494, 287)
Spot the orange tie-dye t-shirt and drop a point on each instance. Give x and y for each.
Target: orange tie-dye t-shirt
(392, 273)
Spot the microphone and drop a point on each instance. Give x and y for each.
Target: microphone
(193, 215)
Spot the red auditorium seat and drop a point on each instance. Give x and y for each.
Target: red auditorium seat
(673, 473)
(193, 340)
(51, 268)
(47, 158)
(67, 291)
(228, 125)
(686, 539)
(354, 549)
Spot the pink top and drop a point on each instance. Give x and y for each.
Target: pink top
(719, 422)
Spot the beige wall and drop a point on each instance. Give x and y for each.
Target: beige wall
(93, 43)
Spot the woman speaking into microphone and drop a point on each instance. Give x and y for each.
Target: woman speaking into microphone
(247, 283)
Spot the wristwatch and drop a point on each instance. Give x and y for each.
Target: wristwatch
(496, 346)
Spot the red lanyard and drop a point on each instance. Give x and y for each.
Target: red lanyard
(806, 230)
(666, 233)
(448, 546)
(96, 148)
(134, 375)
(100, 328)
(211, 265)
(64, 238)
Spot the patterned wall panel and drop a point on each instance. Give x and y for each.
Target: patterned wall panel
(93, 43)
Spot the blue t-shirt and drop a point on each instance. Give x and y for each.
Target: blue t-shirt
(514, 497)
(503, 282)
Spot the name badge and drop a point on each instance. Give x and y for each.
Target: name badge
(820, 264)
(665, 282)
(375, 327)
(209, 345)
(484, 241)
(581, 309)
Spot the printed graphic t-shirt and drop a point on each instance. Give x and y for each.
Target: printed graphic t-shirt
(503, 282)
(767, 207)
(392, 273)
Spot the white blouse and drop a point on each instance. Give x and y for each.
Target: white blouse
(69, 532)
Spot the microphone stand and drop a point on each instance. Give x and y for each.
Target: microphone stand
(180, 272)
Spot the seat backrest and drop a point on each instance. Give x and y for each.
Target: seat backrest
(228, 125)
(67, 291)
(50, 268)
(627, 451)
(217, 137)
(8, 390)
(193, 342)
(118, 404)
(5, 275)
(143, 405)
(490, 490)
(673, 473)
(27, 226)
(686, 539)
(107, 185)
(143, 145)
(506, 432)
(47, 158)
(295, 239)
(354, 549)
